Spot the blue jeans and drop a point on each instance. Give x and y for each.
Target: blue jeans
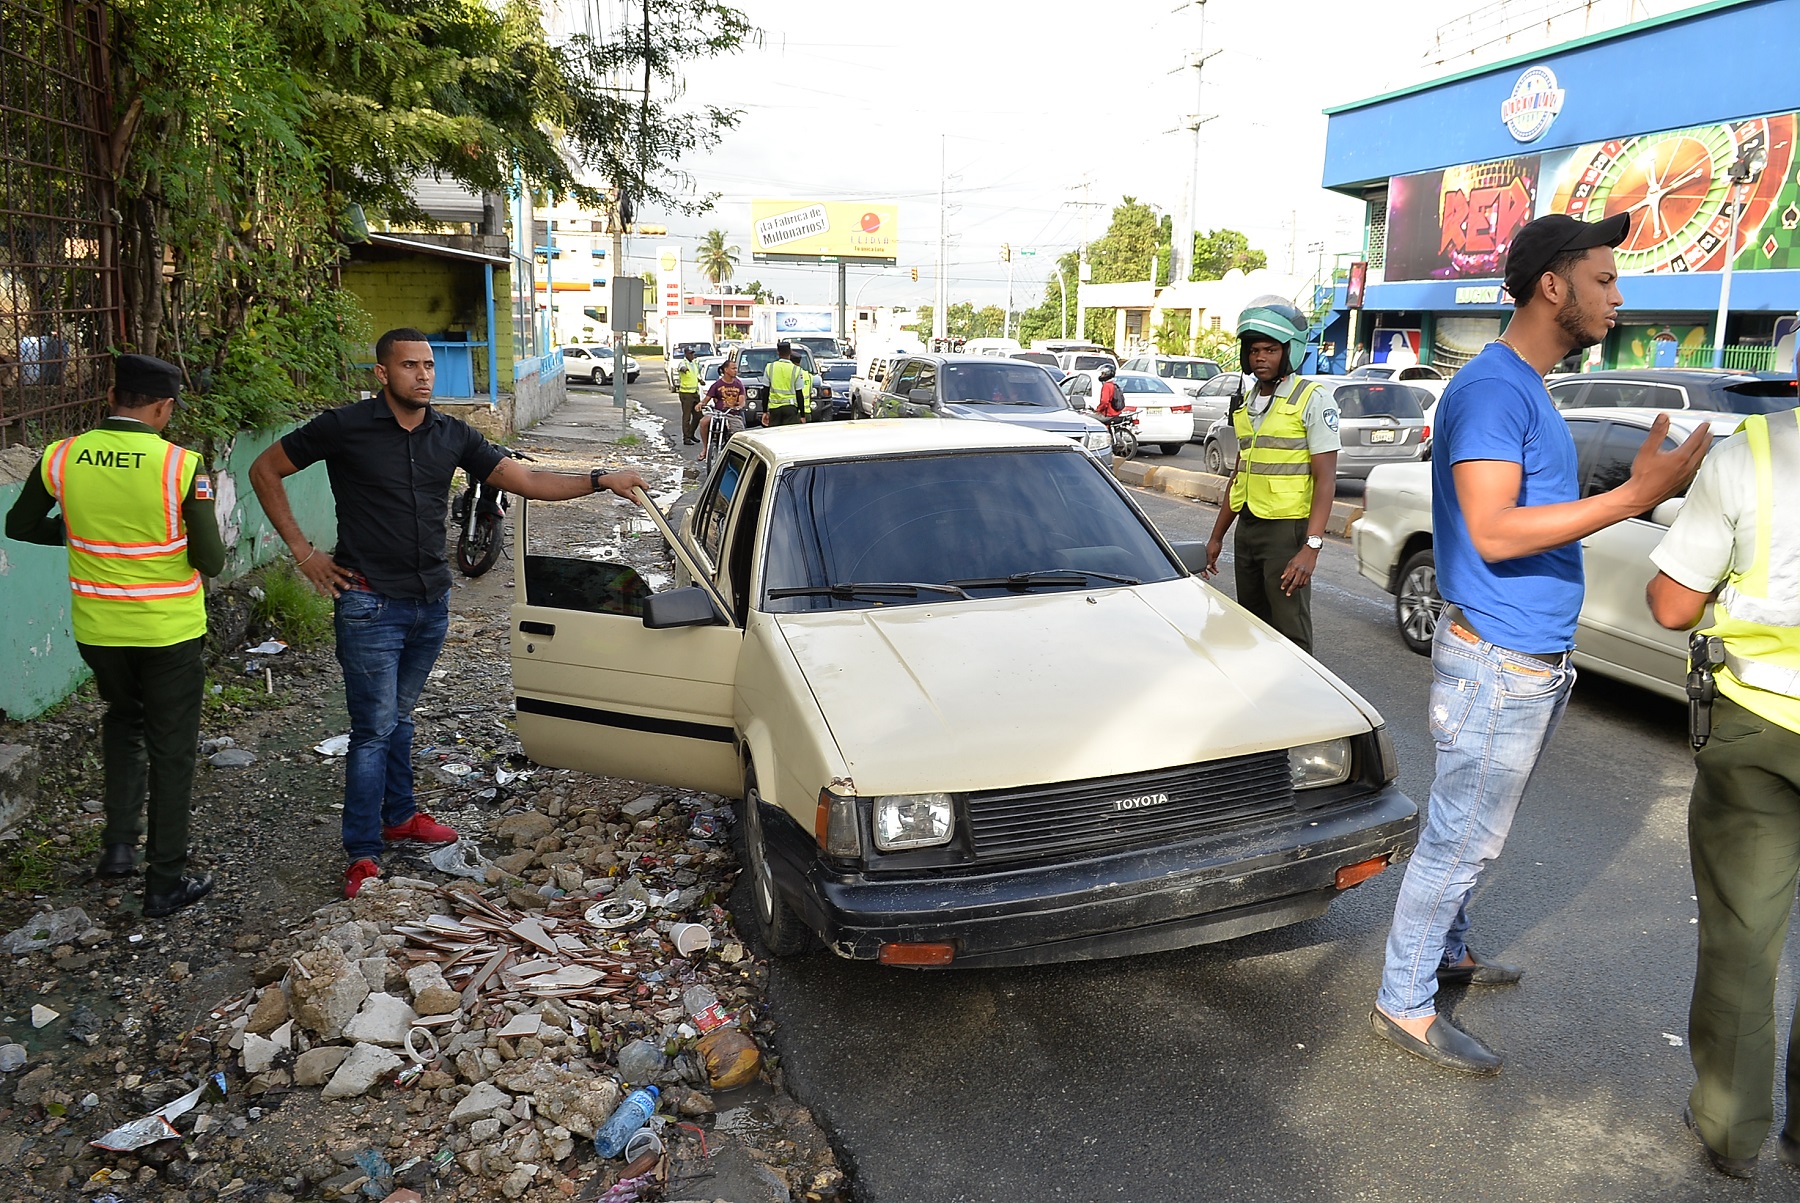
(1492, 713)
(387, 646)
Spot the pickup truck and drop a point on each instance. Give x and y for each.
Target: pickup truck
(865, 389)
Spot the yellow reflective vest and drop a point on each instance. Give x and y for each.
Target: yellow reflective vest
(1758, 610)
(1274, 473)
(121, 493)
(688, 377)
(786, 381)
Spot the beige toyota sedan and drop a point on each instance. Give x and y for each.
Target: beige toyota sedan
(977, 710)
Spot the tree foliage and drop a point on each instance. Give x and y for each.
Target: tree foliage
(1219, 251)
(717, 260)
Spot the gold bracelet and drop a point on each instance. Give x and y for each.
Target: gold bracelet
(309, 555)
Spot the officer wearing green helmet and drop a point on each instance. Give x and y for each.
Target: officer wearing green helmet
(1280, 493)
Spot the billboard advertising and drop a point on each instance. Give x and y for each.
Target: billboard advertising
(1458, 223)
(812, 231)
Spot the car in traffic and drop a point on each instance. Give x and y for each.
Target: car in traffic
(1714, 391)
(1165, 418)
(992, 389)
(593, 362)
(837, 375)
(881, 640)
(1085, 361)
(1186, 373)
(1378, 423)
(1615, 636)
(753, 367)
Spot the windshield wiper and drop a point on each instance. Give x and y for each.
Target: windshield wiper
(852, 589)
(1020, 582)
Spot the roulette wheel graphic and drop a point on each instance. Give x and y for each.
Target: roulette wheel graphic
(1676, 188)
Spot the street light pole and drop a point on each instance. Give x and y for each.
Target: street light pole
(1749, 165)
(1063, 290)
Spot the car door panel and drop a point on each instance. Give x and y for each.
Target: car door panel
(598, 691)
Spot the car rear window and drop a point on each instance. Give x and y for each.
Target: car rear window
(1379, 401)
(1082, 363)
(942, 518)
(1189, 370)
(1143, 384)
(1761, 396)
(1043, 357)
(1000, 383)
(838, 371)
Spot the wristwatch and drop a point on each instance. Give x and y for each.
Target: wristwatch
(594, 478)
(1315, 541)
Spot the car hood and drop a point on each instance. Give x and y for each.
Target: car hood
(994, 693)
(1052, 421)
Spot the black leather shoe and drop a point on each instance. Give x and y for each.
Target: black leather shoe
(1731, 1167)
(1787, 1148)
(1481, 973)
(117, 860)
(186, 892)
(1444, 1044)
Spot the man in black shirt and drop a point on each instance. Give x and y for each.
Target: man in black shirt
(392, 460)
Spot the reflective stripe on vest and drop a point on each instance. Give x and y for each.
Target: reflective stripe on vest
(1274, 476)
(784, 378)
(1758, 611)
(121, 492)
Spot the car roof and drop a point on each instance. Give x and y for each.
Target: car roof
(1175, 358)
(1143, 375)
(947, 358)
(1682, 422)
(1664, 376)
(881, 438)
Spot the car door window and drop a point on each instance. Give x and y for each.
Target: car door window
(744, 531)
(927, 378)
(1612, 394)
(1665, 396)
(1613, 455)
(715, 503)
(1567, 395)
(908, 375)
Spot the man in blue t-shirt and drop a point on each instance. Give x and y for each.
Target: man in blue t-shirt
(1508, 518)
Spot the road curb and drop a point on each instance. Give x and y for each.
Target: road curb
(1204, 486)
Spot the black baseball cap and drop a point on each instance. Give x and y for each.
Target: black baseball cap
(147, 376)
(1544, 239)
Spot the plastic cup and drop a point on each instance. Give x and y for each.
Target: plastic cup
(690, 938)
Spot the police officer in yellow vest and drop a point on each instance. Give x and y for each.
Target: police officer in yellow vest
(1286, 475)
(687, 384)
(1737, 542)
(137, 519)
(790, 388)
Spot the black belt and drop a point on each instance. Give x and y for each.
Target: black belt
(1453, 614)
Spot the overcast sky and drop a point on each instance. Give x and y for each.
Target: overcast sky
(847, 101)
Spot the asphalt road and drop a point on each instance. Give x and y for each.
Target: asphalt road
(1247, 1070)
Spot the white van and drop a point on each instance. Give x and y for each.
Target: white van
(991, 346)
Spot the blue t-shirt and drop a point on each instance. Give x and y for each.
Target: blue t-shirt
(1496, 408)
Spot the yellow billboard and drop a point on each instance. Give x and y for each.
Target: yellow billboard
(812, 231)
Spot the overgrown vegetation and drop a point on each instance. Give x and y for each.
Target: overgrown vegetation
(298, 614)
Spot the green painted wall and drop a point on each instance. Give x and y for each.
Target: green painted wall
(34, 580)
(438, 296)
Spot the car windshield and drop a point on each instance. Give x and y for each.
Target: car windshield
(1143, 384)
(1000, 383)
(838, 371)
(1380, 401)
(982, 523)
(756, 363)
(697, 348)
(1192, 369)
(1760, 397)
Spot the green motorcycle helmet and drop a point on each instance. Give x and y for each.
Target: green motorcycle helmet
(1274, 318)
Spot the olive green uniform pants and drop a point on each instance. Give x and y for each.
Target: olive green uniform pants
(1260, 555)
(148, 741)
(1744, 836)
(786, 415)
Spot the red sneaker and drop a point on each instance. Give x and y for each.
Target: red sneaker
(359, 872)
(420, 829)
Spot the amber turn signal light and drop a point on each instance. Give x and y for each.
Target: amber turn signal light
(1361, 871)
(916, 954)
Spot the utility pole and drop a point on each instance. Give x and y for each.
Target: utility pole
(1083, 274)
(940, 317)
(1006, 322)
(1181, 259)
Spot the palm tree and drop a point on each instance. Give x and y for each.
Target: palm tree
(716, 260)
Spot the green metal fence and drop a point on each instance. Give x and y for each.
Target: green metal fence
(1737, 359)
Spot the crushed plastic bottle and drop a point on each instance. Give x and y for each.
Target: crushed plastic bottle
(624, 1123)
(705, 1008)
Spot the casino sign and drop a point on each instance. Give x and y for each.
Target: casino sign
(1533, 105)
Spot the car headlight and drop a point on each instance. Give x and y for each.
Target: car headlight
(1097, 440)
(913, 821)
(1311, 766)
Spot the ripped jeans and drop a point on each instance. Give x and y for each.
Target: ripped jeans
(1492, 713)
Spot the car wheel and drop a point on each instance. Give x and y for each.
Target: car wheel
(632, 378)
(1171, 448)
(1416, 602)
(780, 930)
(1215, 457)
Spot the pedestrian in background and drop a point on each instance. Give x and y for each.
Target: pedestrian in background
(725, 404)
(392, 460)
(1281, 490)
(1507, 517)
(1738, 535)
(687, 384)
(137, 519)
(785, 404)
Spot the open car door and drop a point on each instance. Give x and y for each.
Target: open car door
(599, 690)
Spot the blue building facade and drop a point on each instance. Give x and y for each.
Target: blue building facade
(1650, 119)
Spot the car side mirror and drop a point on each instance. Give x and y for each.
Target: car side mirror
(1192, 555)
(689, 607)
(1664, 514)
(921, 396)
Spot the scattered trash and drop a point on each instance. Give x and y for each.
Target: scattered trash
(268, 647)
(617, 912)
(703, 1005)
(631, 1115)
(729, 1057)
(337, 745)
(642, 1141)
(12, 1056)
(42, 1016)
(704, 827)
(505, 776)
(690, 939)
(458, 770)
(218, 744)
(463, 858)
(151, 1128)
(48, 929)
(232, 758)
(1673, 1039)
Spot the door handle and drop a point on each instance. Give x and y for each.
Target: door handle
(537, 628)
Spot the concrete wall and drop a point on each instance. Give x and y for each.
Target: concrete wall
(34, 581)
(438, 296)
(539, 388)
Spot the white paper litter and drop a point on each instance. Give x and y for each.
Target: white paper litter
(463, 858)
(337, 745)
(1673, 1039)
(268, 647)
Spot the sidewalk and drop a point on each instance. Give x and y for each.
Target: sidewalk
(1204, 486)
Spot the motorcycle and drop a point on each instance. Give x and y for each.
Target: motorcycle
(480, 517)
(1124, 435)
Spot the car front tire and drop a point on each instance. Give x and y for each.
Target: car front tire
(1171, 448)
(1417, 605)
(780, 930)
(1215, 457)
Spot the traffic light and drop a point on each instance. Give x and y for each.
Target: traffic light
(915, 272)
(1006, 252)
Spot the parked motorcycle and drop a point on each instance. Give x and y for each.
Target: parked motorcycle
(480, 517)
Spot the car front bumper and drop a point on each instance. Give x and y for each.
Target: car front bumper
(1105, 904)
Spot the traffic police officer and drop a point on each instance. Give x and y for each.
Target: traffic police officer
(1737, 538)
(789, 388)
(137, 519)
(1286, 473)
(687, 383)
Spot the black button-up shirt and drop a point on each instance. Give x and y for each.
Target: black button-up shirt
(392, 488)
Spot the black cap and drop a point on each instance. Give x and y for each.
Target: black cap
(147, 376)
(1542, 240)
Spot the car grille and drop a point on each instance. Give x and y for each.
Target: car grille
(1119, 812)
